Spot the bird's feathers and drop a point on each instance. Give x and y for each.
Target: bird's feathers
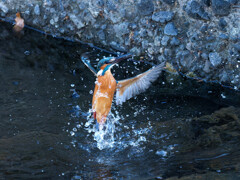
(128, 88)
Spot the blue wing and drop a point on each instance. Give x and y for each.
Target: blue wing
(86, 61)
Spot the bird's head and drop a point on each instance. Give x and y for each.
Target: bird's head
(106, 63)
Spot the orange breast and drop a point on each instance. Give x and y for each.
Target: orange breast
(103, 95)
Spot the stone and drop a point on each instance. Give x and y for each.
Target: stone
(157, 41)
(136, 51)
(170, 29)
(162, 16)
(223, 36)
(215, 59)
(77, 22)
(164, 40)
(37, 10)
(185, 58)
(206, 2)
(145, 7)
(196, 11)
(233, 1)
(101, 35)
(121, 29)
(222, 23)
(169, 2)
(220, 7)
(3, 8)
(175, 41)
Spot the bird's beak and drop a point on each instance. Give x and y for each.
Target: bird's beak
(119, 58)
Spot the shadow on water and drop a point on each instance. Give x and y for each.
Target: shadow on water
(178, 128)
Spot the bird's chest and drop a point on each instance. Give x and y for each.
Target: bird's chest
(106, 83)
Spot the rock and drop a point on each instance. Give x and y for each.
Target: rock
(3, 8)
(175, 41)
(121, 29)
(77, 21)
(37, 10)
(170, 29)
(136, 51)
(157, 41)
(185, 58)
(223, 36)
(196, 11)
(206, 66)
(215, 59)
(162, 16)
(222, 23)
(169, 2)
(164, 41)
(204, 28)
(145, 7)
(206, 2)
(237, 47)
(233, 1)
(204, 56)
(101, 35)
(220, 7)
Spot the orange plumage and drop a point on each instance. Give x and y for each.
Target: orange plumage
(103, 95)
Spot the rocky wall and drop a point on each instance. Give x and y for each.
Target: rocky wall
(198, 37)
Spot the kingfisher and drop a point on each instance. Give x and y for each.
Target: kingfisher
(106, 85)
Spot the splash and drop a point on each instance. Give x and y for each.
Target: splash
(104, 135)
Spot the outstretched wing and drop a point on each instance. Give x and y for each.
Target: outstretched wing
(128, 88)
(86, 61)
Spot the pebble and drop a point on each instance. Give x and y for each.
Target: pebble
(223, 36)
(220, 7)
(206, 2)
(37, 10)
(145, 7)
(162, 16)
(175, 41)
(215, 59)
(3, 8)
(169, 2)
(222, 23)
(164, 41)
(196, 11)
(170, 29)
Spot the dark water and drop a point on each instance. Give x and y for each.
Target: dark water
(46, 131)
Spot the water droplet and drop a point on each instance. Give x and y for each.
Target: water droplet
(27, 53)
(72, 133)
(72, 85)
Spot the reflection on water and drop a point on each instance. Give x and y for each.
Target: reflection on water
(47, 132)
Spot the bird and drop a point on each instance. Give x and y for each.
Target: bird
(106, 85)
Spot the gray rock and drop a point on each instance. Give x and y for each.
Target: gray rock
(185, 58)
(101, 35)
(3, 8)
(222, 23)
(77, 21)
(220, 7)
(204, 56)
(237, 47)
(215, 59)
(121, 29)
(223, 36)
(169, 2)
(37, 10)
(233, 1)
(170, 29)
(207, 66)
(206, 2)
(164, 41)
(204, 28)
(196, 11)
(175, 41)
(136, 51)
(162, 16)
(145, 7)
(157, 41)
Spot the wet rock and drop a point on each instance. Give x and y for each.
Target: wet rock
(220, 7)
(162, 16)
(175, 41)
(215, 59)
(196, 11)
(170, 29)
(204, 28)
(3, 8)
(37, 10)
(164, 41)
(222, 23)
(223, 36)
(145, 7)
(77, 21)
(169, 2)
(185, 58)
(157, 41)
(121, 29)
(101, 35)
(206, 2)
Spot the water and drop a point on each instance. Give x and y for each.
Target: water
(47, 131)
